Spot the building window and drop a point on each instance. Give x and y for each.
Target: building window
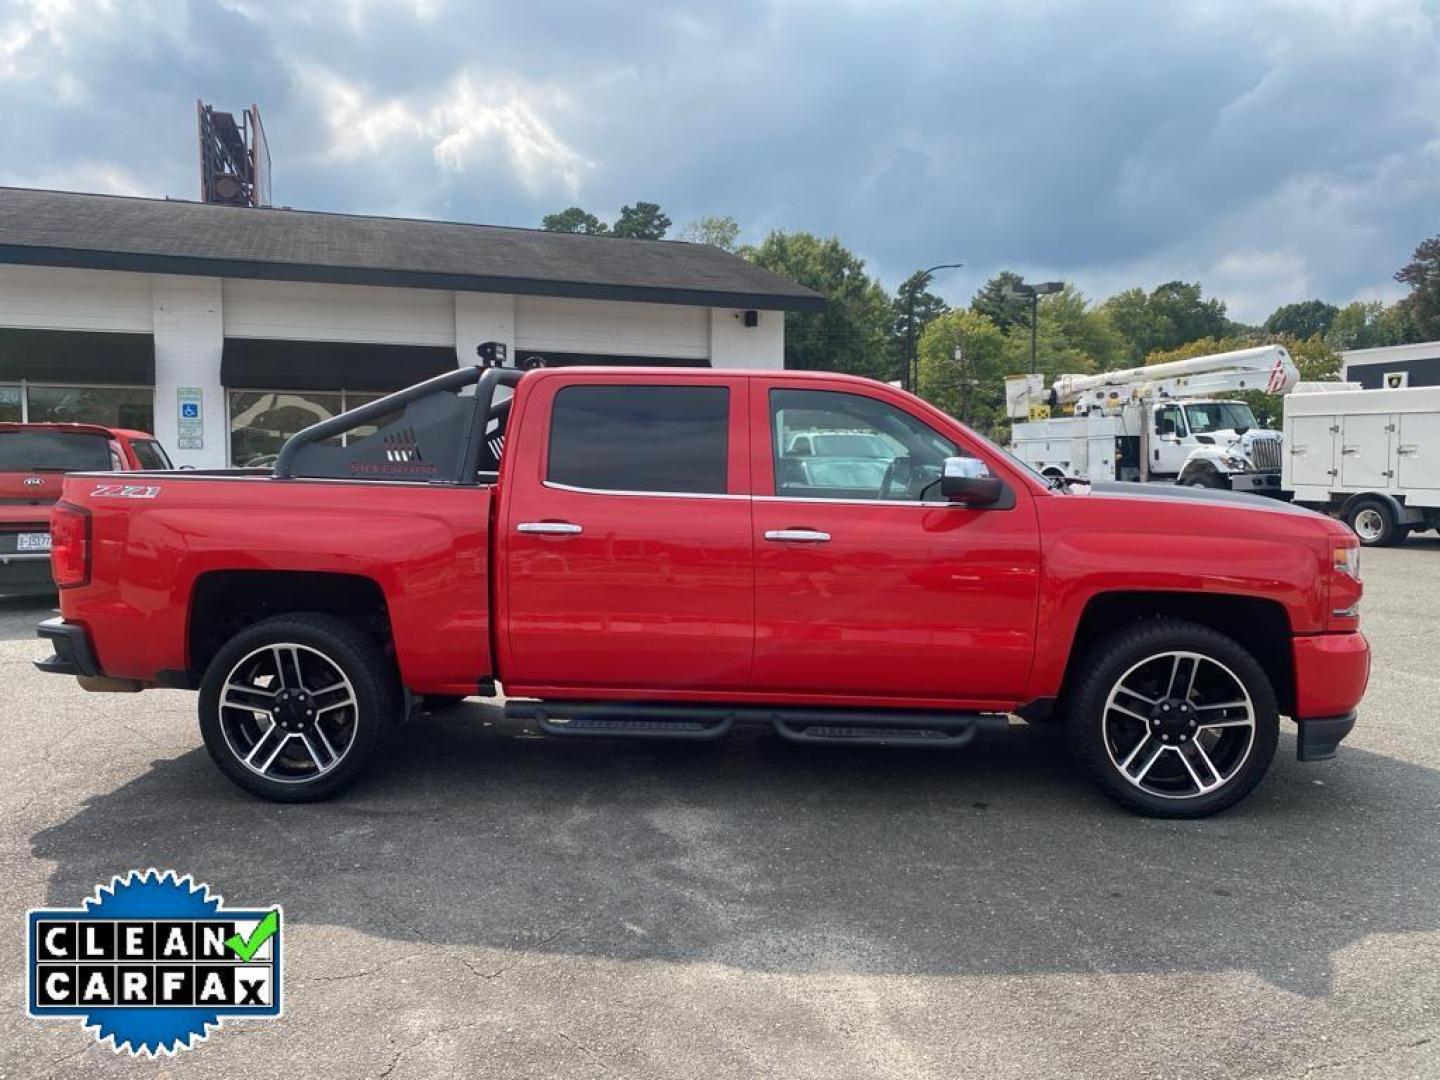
(641, 438)
(111, 406)
(261, 420)
(11, 409)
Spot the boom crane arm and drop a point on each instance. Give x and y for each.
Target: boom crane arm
(1268, 368)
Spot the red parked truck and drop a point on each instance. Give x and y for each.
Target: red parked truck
(33, 459)
(655, 552)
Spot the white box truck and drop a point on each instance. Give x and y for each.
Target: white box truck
(1369, 457)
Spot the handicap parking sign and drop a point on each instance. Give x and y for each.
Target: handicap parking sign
(190, 410)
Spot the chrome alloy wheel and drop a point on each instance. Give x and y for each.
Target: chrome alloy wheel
(1369, 525)
(288, 713)
(1179, 725)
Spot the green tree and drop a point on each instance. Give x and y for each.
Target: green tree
(574, 220)
(852, 333)
(1302, 320)
(643, 221)
(1422, 274)
(1169, 316)
(1370, 325)
(718, 231)
(991, 302)
(1357, 326)
(969, 386)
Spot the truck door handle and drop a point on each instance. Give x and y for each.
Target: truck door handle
(798, 536)
(1350, 450)
(549, 528)
(1408, 449)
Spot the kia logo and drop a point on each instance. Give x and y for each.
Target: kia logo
(33, 481)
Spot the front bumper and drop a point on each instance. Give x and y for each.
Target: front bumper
(1256, 483)
(73, 654)
(1331, 673)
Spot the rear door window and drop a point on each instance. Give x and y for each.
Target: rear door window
(672, 439)
(53, 451)
(150, 455)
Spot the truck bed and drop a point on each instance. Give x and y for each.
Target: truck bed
(155, 541)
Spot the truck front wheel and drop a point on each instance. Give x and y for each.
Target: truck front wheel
(1374, 522)
(1173, 719)
(294, 708)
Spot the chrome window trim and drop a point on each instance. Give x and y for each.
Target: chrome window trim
(942, 505)
(555, 484)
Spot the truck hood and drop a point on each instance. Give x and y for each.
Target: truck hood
(1238, 500)
(1229, 437)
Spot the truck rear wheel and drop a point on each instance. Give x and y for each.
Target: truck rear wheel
(294, 708)
(1173, 719)
(1374, 523)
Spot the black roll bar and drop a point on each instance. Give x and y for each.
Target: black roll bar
(487, 379)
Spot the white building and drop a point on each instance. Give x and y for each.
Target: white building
(224, 330)
(1391, 367)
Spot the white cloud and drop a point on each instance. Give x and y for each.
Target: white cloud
(468, 125)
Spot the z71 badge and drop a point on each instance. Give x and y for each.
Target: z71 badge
(125, 491)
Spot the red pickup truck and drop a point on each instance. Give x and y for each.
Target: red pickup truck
(655, 552)
(33, 458)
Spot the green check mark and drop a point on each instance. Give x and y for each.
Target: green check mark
(246, 948)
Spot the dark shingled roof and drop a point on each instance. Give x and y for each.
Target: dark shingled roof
(109, 232)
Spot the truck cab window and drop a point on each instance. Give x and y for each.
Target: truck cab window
(616, 437)
(833, 445)
(1169, 420)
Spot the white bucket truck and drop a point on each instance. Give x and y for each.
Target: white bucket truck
(1165, 423)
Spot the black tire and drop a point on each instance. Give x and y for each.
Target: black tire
(1204, 477)
(1096, 743)
(1374, 522)
(358, 729)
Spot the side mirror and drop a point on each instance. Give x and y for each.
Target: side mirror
(967, 480)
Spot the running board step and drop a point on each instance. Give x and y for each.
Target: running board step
(573, 719)
(849, 727)
(947, 736)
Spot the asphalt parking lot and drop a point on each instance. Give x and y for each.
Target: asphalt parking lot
(491, 903)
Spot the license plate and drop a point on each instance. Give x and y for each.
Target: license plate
(33, 542)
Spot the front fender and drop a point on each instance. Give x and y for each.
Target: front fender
(1203, 457)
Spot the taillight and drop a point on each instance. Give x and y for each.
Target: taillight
(69, 545)
(1345, 587)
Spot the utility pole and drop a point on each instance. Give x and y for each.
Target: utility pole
(1033, 292)
(910, 378)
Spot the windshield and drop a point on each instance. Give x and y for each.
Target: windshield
(53, 451)
(1219, 414)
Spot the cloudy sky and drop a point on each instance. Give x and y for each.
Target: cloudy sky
(1271, 150)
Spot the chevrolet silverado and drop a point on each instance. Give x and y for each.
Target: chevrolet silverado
(661, 552)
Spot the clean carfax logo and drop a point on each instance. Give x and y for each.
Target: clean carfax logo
(153, 961)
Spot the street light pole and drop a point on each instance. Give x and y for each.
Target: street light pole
(911, 375)
(1034, 325)
(1020, 291)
